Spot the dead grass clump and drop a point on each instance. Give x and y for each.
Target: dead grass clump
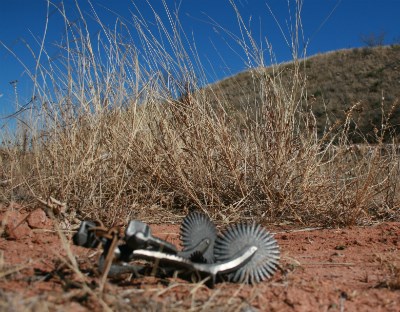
(118, 129)
(391, 277)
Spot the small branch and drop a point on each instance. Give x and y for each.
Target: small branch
(54, 205)
(301, 230)
(330, 263)
(5, 182)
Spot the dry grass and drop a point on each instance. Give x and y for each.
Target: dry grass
(117, 130)
(390, 278)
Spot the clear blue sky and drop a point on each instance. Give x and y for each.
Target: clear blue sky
(328, 25)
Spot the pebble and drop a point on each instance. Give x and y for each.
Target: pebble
(38, 220)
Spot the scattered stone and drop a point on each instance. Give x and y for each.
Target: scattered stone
(38, 220)
(340, 247)
(248, 308)
(15, 226)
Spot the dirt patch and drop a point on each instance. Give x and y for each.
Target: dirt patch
(352, 269)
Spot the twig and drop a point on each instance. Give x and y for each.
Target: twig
(5, 182)
(330, 263)
(109, 258)
(55, 205)
(301, 230)
(13, 270)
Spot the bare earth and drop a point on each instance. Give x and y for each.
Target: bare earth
(351, 269)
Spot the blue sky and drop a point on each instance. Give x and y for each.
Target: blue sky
(328, 25)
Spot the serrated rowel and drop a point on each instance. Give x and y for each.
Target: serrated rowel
(197, 257)
(195, 228)
(235, 239)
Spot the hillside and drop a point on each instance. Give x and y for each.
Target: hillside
(335, 81)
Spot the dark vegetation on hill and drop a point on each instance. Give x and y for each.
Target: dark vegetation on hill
(365, 79)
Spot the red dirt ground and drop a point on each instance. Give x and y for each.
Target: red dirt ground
(351, 269)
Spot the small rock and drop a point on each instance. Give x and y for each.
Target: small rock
(38, 220)
(248, 308)
(16, 226)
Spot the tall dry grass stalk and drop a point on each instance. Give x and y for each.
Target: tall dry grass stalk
(121, 130)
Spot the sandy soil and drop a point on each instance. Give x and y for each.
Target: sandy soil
(351, 269)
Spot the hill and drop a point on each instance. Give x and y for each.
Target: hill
(368, 78)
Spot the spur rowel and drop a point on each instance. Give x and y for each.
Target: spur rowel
(198, 235)
(239, 237)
